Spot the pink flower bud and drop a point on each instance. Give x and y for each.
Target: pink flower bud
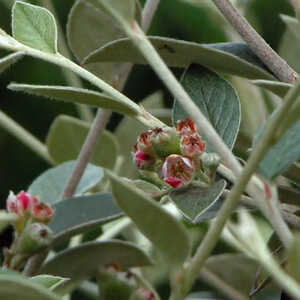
(143, 159)
(177, 170)
(42, 213)
(192, 145)
(21, 203)
(186, 127)
(143, 143)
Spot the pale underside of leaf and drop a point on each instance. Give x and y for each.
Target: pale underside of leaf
(77, 95)
(231, 58)
(83, 261)
(34, 26)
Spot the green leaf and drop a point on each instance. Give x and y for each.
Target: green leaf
(6, 219)
(67, 135)
(9, 60)
(77, 95)
(282, 155)
(232, 58)
(278, 88)
(49, 282)
(216, 99)
(82, 262)
(198, 203)
(18, 287)
(51, 184)
(35, 27)
(121, 10)
(82, 214)
(161, 228)
(292, 24)
(84, 36)
(236, 270)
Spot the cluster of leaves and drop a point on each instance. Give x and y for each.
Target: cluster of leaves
(94, 205)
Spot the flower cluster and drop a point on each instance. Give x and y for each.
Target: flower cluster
(29, 207)
(174, 153)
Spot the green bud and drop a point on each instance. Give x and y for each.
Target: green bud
(165, 141)
(210, 163)
(34, 238)
(115, 285)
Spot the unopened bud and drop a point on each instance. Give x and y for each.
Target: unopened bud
(114, 284)
(210, 160)
(34, 238)
(142, 294)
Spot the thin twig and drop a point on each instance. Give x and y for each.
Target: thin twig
(148, 13)
(272, 60)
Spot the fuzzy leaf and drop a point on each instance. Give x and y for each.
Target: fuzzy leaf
(161, 228)
(51, 184)
(82, 214)
(282, 155)
(292, 24)
(9, 60)
(18, 287)
(67, 135)
(34, 26)
(278, 88)
(77, 95)
(216, 99)
(198, 203)
(121, 10)
(83, 261)
(49, 282)
(232, 58)
(293, 264)
(236, 270)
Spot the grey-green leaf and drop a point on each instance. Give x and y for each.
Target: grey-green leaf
(161, 228)
(83, 261)
(34, 26)
(121, 10)
(49, 282)
(81, 214)
(216, 99)
(77, 95)
(67, 135)
(292, 24)
(232, 58)
(282, 155)
(278, 88)
(17, 287)
(51, 184)
(199, 203)
(9, 60)
(293, 264)
(237, 270)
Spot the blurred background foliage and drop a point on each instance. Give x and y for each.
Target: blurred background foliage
(176, 19)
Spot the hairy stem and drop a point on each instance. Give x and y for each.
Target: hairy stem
(148, 13)
(25, 137)
(257, 44)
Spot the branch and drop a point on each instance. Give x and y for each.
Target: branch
(257, 44)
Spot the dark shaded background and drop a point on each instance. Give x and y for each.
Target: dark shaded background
(19, 165)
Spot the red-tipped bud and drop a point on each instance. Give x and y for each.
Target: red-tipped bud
(177, 170)
(42, 213)
(21, 203)
(174, 182)
(143, 159)
(186, 127)
(143, 142)
(192, 145)
(142, 294)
